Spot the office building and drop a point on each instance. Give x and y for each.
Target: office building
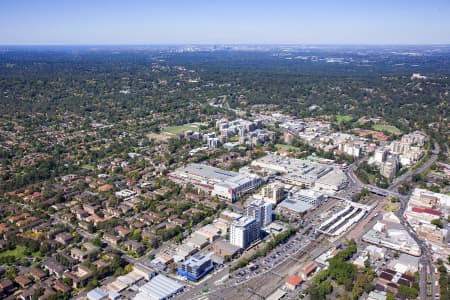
(244, 232)
(195, 267)
(261, 211)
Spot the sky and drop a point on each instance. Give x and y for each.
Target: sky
(139, 22)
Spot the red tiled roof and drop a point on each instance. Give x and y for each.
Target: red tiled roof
(309, 268)
(426, 211)
(294, 280)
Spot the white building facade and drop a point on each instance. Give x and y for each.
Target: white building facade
(261, 211)
(244, 232)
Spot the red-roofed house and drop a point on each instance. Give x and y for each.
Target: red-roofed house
(121, 231)
(3, 228)
(32, 197)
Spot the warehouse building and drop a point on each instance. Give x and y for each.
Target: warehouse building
(159, 288)
(97, 294)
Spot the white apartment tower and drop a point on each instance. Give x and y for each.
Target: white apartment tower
(273, 193)
(380, 155)
(244, 232)
(261, 211)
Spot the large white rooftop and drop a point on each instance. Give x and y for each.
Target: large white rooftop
(244, 221)
(293, 168)
(159, 288)
(212, 175)
(208, 172)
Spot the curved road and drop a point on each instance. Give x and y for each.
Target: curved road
(425, 262)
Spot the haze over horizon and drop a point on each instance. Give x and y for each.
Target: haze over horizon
(138, 22)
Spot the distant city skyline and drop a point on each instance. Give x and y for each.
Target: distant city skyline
(139, 22)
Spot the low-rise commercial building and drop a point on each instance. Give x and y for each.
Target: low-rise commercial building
(392, 235)
(420, 215)
(303, 172)
(301, 200)
(428, 199)
(229, 216)
(226, 249)
(209, 231)
(97, 294)
(432, 233)
(333, 181)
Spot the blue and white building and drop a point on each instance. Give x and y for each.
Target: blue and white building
(195, 267)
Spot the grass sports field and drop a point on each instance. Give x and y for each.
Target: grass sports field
(286, 147)
(180, 129)
(17, 253)
(343, 118)
(388, 128)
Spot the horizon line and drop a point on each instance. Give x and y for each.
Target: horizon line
(221, 44)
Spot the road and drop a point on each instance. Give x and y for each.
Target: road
(83, 233)
(425, 259)
(258, 286)
(272, 270)
(228, 288)
(431, 160)
(261, 283)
